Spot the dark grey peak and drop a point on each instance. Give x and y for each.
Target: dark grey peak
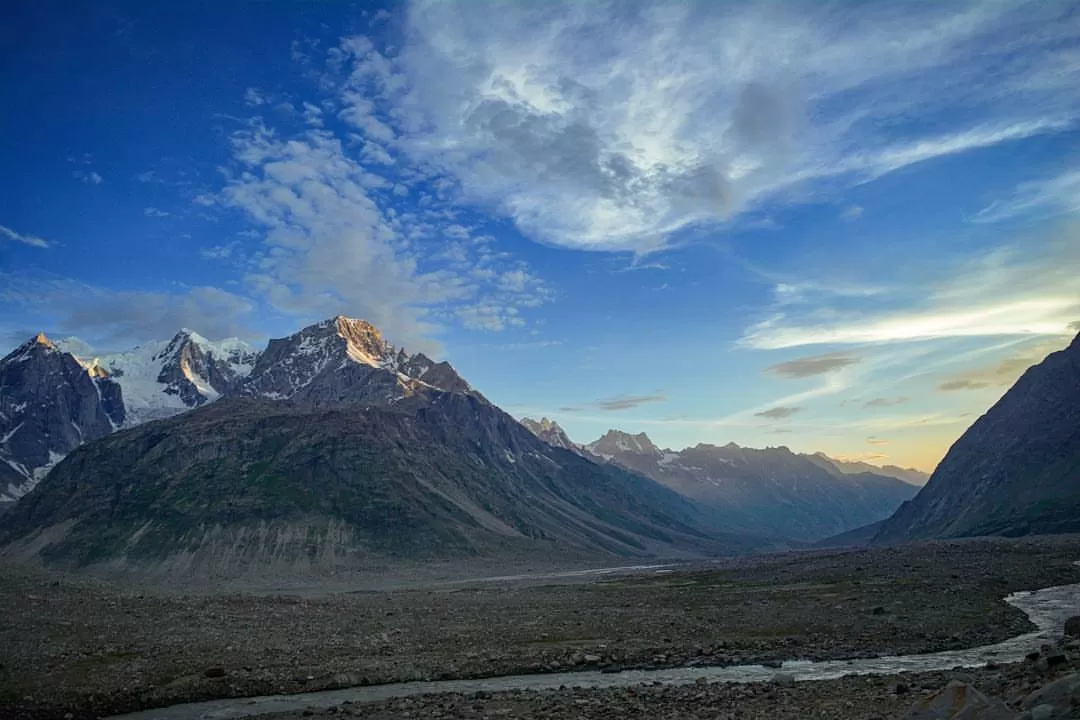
(441, 375)
(617, 442)
(550, 432)
(50, 403)
(1016, 470)
(344, 361)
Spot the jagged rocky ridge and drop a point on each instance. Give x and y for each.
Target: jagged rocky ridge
(550, 432)
(339, 450)
(772, 491)
(53, 400)
(1016, 470)
(49, 405)
(158, 380)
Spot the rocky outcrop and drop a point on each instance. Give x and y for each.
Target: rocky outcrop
(1016, 471)
(771, 492)
(50, 403)
(550, 432)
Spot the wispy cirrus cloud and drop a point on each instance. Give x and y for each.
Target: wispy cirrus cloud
(1012, 291)
(24, 238)
(617, 403)
(1003, 371)
(954, 385)
(883, 402)
(1058, 195)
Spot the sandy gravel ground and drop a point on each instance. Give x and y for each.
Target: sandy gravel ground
(82, 647)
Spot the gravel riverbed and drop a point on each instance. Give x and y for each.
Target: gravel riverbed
(70, 645)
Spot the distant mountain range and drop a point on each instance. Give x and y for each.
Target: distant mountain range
(772, 492)
(1016, 470)
(331, 448)
(328, 449)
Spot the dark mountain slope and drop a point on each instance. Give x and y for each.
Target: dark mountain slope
(1015, 471)
(247, 483)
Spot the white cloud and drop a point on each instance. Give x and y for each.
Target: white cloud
(88, 177)
(254, 97)
(155, 212)
(332, 246)
(1059, 195)
(852, 212)
(31, 240)
(1028, 291)
(118, 317)
(218, 252)
(616, 126)
(375, 153)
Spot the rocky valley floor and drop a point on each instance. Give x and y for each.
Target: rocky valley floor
(81, 647)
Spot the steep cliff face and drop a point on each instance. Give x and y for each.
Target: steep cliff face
(50, 403)
(1015, 471)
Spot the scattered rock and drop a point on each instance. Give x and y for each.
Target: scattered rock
(214, 672)
(1072, 626)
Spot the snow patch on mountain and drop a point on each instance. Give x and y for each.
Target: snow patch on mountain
(163, 378)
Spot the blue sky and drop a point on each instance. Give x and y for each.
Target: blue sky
(841, 226)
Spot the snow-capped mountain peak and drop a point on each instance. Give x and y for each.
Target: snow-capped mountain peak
(334, 358)
(163, 378)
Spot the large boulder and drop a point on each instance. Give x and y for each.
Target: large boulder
(1072, 626)
(959, 701)
(1059, 699)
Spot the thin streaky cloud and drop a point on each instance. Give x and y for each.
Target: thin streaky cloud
(1058, 195)
(627, 402)
(778, 413)
(811, 366)
(954, 385)
(25, 239)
